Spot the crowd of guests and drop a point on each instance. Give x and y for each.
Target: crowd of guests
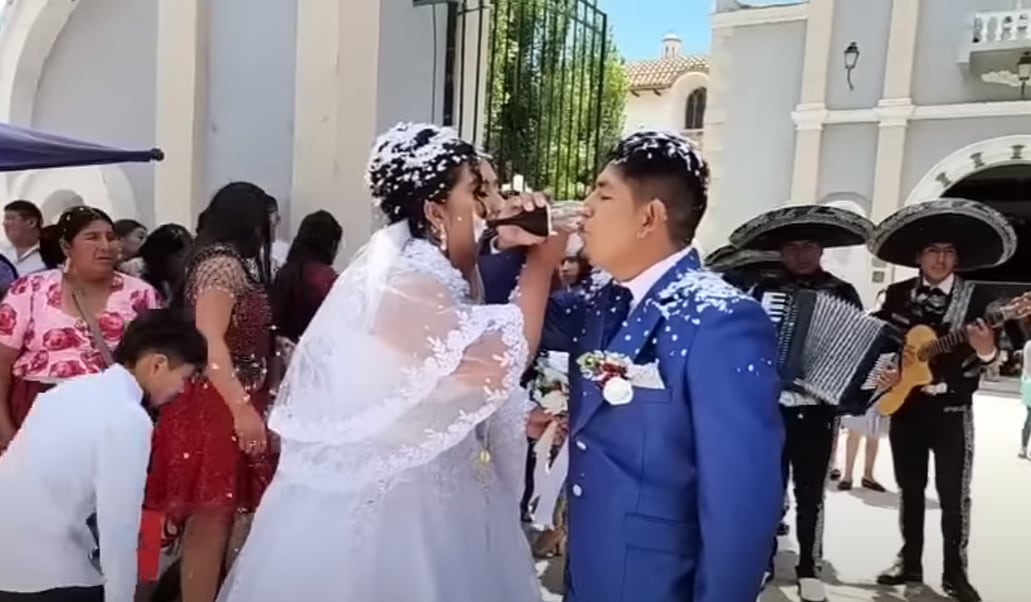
(71, 290)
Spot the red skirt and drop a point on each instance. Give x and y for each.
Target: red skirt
(23, 393)
(195, 461)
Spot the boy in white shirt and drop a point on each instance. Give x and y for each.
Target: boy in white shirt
(82, 451)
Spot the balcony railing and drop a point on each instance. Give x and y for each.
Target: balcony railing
(1002, 26)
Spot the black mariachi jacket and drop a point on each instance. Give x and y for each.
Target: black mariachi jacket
(960, 369)
(821, 281)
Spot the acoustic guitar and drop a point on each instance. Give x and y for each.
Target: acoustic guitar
(922, 344)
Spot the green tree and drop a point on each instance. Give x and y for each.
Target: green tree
(556, 93)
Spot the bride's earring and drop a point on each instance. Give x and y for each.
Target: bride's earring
(442, 238)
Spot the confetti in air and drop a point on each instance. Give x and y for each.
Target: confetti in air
(652, 145)
(412, 161)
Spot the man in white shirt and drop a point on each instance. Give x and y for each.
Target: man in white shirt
(22, 224)
(73, 477)
(279, 248)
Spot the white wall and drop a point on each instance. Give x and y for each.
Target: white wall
(411, 74)
(98, 84)
(757, 137)
(251, 95)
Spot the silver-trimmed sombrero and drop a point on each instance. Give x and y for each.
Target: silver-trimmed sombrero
(729, 257)
(825, 225)
(983, 237)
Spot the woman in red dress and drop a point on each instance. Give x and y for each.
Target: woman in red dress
(210, 458)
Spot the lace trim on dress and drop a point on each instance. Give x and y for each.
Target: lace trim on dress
(412, 423)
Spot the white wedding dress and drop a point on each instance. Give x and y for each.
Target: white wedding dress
(402, 445)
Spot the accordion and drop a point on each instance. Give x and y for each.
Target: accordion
(829, 349)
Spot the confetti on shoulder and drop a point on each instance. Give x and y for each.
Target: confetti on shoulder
(694, 292)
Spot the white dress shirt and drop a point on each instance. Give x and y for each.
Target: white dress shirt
(27, 263)
(280, 249)
(83, 449)
(640, 284)
(944, 286)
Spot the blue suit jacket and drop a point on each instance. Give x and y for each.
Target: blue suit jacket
(674, 497)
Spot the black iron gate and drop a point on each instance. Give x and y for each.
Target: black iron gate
(532, 90)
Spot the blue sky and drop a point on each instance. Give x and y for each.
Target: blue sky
(640, 24)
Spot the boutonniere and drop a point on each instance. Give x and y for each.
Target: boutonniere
(611, 372)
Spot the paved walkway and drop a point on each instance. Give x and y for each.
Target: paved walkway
(861, 535)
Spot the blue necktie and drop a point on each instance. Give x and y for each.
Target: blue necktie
(617, 311)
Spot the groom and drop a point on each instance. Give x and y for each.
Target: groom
(674, 476)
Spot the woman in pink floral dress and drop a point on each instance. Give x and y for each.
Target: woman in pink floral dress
(43, 337)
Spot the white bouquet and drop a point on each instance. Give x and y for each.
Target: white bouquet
(550, 386)
(550, 390)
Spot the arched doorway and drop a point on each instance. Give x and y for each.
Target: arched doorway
(1006, 188)
(57, 203)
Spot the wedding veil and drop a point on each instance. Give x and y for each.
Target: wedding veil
(396, 368)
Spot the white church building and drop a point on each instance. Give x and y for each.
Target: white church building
(870, 105)
(286, 93)
(668, 92)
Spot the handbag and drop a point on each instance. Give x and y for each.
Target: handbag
(108, 358)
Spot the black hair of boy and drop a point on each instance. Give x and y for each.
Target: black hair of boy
(168, 332)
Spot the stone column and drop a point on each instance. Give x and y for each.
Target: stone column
(812, 104)
(335, 112)
(720, 215)
(894, 111)
(182, 96)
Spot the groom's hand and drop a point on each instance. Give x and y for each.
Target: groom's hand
(510, 237)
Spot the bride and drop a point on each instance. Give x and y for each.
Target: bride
(402, 436)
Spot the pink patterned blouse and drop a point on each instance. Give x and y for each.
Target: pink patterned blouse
(54, 345)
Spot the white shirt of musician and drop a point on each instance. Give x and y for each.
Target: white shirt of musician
(640, 284)
(83, 449)
(944, 286)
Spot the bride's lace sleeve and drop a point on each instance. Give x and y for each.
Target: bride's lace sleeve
(368, 397)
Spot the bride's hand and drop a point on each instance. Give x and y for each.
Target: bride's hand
(510, 237)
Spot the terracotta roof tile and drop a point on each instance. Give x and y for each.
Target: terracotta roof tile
(658, 74)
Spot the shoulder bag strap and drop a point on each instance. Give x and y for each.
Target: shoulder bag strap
(94, 328)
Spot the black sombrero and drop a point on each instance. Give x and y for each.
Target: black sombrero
(983, 237)
(827, 226)
(729, 257)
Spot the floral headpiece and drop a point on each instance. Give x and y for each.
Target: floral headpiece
(410, 161)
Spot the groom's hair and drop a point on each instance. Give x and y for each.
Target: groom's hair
(668, 167)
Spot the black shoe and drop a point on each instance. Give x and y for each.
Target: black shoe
(959, 588)
(872, 485)
(844, 485)
(900, 575)
(783, 529)
(834, 474)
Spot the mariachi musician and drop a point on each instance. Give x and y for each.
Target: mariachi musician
(742, 268)
(800, 234)
(940, 238)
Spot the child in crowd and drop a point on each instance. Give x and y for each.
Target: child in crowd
(73, 477)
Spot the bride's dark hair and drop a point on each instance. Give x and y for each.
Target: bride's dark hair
(415, 163)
